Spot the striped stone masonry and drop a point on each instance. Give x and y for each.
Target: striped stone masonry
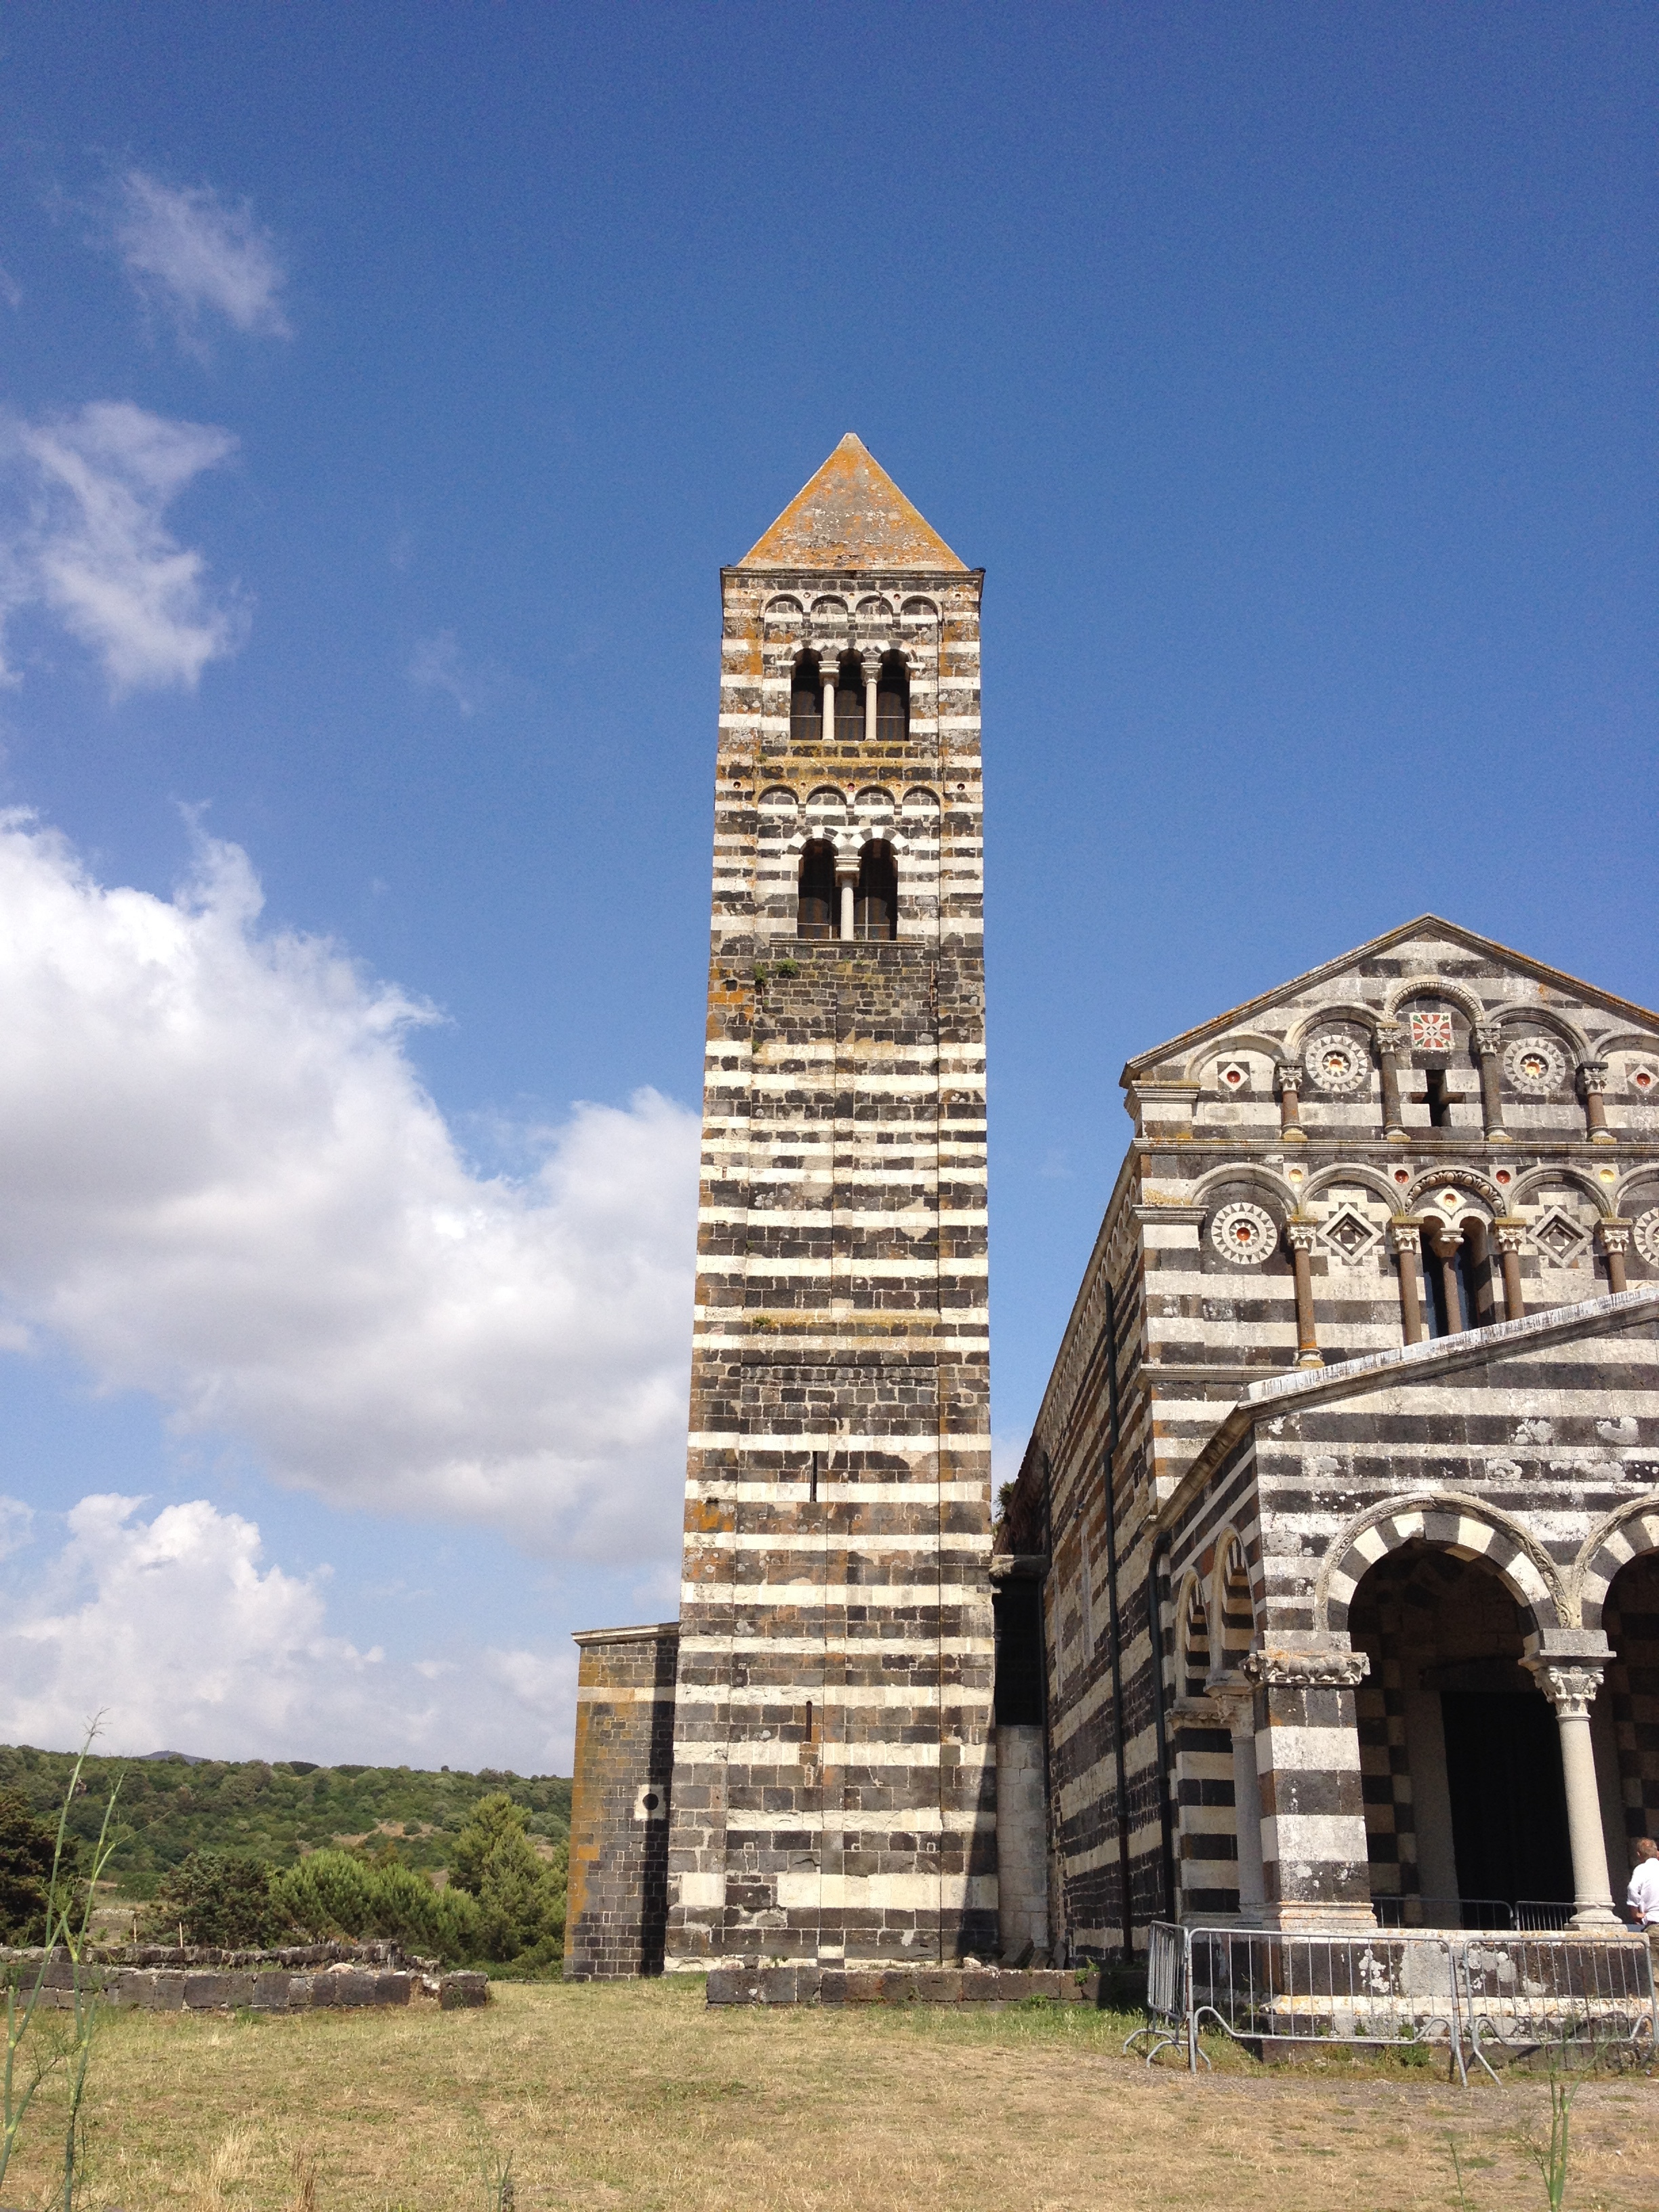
(1376, 1287)
(617, 1900)
(833, 1789)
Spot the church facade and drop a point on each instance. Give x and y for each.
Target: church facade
(1328, 1590)
(1335, 1549)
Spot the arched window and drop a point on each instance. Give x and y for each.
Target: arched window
(893, 701)
(806, 702)
(815, 915)
(849, 700)
(1457, 1274)
(1192, 1672)
(875, 912)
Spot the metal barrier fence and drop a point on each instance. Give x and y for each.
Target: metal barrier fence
(1447, 1912)
(1505, 1993)
(1535, 1912)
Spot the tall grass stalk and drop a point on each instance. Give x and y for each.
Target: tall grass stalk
(33, 2054)
(1551, 2158)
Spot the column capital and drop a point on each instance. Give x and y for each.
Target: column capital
(1394, 1038)
(1287, 1074)
(1592, 1075)
(1275, 1667)
(1233, 1696)
(870, 660)
(1567, 1665)
(1404, 1230)
(1488, 1038)
(1509, 1233)
(847, 867)
(1614, 1235)
(1299, 1235)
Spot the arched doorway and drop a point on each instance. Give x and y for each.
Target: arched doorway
(1625, 1719)
(1460, 1749)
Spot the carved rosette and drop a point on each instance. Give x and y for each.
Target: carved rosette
(1307, 1670)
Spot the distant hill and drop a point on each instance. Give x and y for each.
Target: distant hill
(171, 1804)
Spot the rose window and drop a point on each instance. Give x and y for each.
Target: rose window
(1645, 1236)
(1535, 1065)
(1244, 1234)
(1336, 1063)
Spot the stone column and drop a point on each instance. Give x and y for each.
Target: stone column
(827, 669)
(1394, 1047)
(872, 666)
(1445, 1244)
(847, 884)
(1511, 1234)
(1567, 1666)
(1593, 1081)
(1488, 1043)
(1315, 1867)
(1405, 1238)
(1615, 1243)
(1234, 1696)
(1301, 1235)
(1290, 1101)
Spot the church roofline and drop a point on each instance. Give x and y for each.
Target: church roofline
(1405, 1362)
(1178, 1046)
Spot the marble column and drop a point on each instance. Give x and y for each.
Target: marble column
(1592, 1082)
(1289, 1076)
(1393, 1050)
(1300, 1235)
(1510, 1235)
(1567, 1667)
(1614, 1236)
(1405, 1236)
(1488, 1044)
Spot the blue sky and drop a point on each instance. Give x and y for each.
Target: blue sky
(382, 391)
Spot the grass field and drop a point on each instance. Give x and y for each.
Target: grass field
(636, 2095)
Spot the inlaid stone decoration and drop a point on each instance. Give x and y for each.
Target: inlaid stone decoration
(1364, 1507)
(1560, 1237)
(1335, 1063)
(1645, 1080)
(1536, 1066)
(1245, 1234)
(1350, 1235)
(1233, 1076)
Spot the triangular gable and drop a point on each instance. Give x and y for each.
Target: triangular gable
(1425, 924)
(851, 515)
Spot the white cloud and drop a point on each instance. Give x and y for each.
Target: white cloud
(221, 1183)
(178, 1633)
(436, 664)
(82, 534)
(193, 254)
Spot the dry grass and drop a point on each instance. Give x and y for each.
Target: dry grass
(636, 2096)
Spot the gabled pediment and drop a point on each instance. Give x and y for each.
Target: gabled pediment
(1476, 973)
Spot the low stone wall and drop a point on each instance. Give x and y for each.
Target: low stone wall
(200, 1979)
(897, 1986)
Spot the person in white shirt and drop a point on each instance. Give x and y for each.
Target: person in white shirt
(1643, 1895)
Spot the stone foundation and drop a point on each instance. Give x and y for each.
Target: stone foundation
(196, 1979)
(895, 1985)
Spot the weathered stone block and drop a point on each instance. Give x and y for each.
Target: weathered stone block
(942, 1986)
(391, 1989)
(206, 1992)
(979, 1985)
(270, 1991)
(353, 1988)
(457, 1992)
(862, 1988)
(898, 1986)
(778, 1985)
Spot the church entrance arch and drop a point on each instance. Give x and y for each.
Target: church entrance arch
(1625, 1719)
(1465, 1807)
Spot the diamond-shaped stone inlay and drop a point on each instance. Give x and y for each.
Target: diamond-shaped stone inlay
(1432, 1031)
(1350, 1234)
(1559, 1237)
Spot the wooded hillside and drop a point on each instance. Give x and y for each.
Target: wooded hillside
(168, 1808)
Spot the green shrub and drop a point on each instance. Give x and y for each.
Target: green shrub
(521, 1895)
(211, 1898)
(341, 1894)
(27, 1846)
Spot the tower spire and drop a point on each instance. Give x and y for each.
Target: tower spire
(851, 515)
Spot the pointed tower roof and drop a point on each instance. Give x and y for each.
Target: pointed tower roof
(851, 515)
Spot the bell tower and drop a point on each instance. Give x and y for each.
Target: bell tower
(833, 1791)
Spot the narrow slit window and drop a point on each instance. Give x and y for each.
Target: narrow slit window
(893, 702)
(875, 912)
(849, 703)
(815, 908)
(806, 702)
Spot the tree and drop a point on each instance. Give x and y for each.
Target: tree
(522, 1896)
(27, 1846)
(215, 1898)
